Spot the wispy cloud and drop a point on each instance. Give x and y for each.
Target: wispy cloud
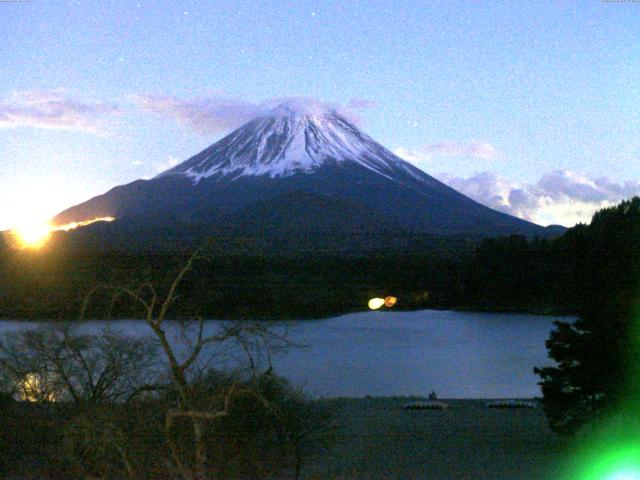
(54, 109)
(207, 115)
(361, 103)
(216, 114)
(473, 149)
(559, 197)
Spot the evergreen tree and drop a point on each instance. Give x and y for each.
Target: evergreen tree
(596, 355)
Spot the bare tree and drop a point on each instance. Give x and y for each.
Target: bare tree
(249, 336)
(195, 418)
(98, 372)
(57, 363)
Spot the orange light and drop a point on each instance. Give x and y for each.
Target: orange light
(34, 234)
(390, 301)
(36, 387)
(84, 223)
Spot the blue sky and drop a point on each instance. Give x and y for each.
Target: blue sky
(530, 107)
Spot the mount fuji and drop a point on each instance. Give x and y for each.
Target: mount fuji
(296, 172)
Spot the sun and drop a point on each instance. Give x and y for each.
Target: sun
(33, 234)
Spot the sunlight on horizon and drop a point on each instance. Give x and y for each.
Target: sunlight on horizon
(34, 234)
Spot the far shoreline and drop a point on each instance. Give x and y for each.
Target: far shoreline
(548, 312)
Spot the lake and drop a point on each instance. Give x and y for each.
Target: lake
(386, 353)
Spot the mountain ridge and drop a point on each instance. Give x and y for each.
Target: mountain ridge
(319, 152)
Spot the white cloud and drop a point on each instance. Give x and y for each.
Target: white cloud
(54, 109)
(473, 149)
(486, 187)
(562, 197)
(215, 114)
(559, 197)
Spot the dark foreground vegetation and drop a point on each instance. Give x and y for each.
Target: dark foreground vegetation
(503, 274)
(368, 438)
(105, 405)
(70, 440)
(376, 438)
(109, 406)
(597, 372)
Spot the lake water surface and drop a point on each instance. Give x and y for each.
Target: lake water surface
(457, 354)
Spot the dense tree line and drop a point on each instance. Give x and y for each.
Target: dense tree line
(500, 274)
(51, 286)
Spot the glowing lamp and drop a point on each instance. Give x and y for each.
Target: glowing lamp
(376, 303)
(390, 301)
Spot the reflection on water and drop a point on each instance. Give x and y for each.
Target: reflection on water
(456, 354)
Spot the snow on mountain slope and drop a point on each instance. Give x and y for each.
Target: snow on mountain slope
(292, 139)
(306, 154)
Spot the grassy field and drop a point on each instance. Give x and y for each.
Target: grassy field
(375, 438)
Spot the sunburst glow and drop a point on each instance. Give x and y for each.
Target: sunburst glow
(74, 225)
(34, 234)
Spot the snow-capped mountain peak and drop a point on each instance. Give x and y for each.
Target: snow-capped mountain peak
(301, 107)
(314, 170)
(294, 137)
